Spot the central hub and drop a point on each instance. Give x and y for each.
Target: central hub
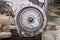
(30, 19)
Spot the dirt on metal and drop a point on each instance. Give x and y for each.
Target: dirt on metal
(15, 36)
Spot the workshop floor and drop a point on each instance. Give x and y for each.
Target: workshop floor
(53, 28)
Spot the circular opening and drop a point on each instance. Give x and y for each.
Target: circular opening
(30, 19)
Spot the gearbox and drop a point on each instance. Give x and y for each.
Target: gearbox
(29, 16)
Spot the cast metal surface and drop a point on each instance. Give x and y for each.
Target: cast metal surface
(30, 18)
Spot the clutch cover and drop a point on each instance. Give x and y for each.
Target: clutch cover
(30, 21)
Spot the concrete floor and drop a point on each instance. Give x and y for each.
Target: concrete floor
(53, 28)
(54, 17)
